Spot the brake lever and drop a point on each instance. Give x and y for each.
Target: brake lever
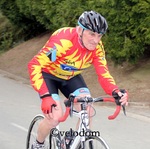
(118, 103)
(71, 109)
(124, 109)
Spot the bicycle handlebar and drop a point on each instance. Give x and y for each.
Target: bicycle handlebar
(73, 99)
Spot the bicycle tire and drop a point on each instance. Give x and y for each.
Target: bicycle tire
(95, 142)
(32, 132)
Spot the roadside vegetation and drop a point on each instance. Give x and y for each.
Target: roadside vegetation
(6, 32)
(127, 39)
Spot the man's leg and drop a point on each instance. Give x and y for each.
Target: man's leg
(78, 87)
(50, 121)
(82, 92)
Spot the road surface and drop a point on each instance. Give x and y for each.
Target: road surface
(19, 103)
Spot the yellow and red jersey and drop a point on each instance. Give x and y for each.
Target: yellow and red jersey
(64, 57)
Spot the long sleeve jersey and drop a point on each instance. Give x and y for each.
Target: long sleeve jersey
(63, 56)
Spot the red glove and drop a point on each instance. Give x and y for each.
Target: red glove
(121, 96)
(47, 104)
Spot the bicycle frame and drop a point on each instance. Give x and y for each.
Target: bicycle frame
(84, 117)
(79, 141)
(83, 126)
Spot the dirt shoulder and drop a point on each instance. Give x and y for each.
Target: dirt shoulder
(134, 79)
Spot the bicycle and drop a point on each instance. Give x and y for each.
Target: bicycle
(70, 141)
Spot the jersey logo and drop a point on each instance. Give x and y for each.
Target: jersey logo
(69, 68)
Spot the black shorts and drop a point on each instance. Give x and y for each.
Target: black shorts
(75, 85)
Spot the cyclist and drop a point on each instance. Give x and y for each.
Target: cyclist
(59, 64)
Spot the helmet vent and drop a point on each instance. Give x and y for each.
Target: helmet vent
(93, 21)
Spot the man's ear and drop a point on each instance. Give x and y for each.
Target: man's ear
(79, 30)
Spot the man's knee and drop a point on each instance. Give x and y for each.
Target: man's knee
(52, 119)
(82, 92)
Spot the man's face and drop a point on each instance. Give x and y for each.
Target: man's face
(91, 39)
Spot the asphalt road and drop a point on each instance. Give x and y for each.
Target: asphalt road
(19, 103)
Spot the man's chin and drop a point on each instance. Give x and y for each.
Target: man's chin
(91, 49)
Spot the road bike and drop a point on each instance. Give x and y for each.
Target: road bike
(73, 139)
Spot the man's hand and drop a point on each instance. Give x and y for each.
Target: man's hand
(47, 104)
(121, 97)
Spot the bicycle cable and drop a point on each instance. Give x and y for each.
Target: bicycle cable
(94, 113)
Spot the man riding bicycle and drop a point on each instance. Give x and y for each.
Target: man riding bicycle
(58, 66)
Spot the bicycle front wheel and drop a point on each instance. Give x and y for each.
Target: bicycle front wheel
(95, 142)
(55, 142)
(32, 132)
